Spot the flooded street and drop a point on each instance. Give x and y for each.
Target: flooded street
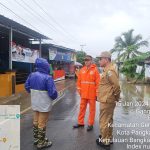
(132, 117)
(131, 121)
(44, 42)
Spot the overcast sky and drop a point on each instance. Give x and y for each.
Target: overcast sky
(71, 23)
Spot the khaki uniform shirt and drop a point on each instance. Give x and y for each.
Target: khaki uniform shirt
(109, 88)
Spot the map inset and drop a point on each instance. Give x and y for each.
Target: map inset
(10, 127)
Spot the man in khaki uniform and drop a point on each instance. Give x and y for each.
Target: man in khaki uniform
(109, 93)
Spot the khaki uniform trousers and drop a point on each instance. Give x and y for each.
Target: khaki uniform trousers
(106, 120)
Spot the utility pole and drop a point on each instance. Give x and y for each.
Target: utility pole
(82, 45)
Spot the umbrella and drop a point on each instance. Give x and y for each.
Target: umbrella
(78, 64)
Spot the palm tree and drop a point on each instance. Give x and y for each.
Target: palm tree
(127, 45)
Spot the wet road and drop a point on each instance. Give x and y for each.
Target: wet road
(131, 122)
(23, 99)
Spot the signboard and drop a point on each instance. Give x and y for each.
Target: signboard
(54, 54)
(73, 57)
(23, 54)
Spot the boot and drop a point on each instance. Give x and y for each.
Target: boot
(101, 143)
(89, 128)
(78, 126)
(35, 134)
(42, 143)
(111, 139)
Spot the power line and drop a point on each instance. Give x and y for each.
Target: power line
(33, 13)
(18, 16)
(52, 27)
(23, 18)
(25, 8)
(61, 27)
(39, 16)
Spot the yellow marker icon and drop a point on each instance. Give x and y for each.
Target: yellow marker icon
(4, 140)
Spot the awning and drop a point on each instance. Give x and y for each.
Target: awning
(8, 23)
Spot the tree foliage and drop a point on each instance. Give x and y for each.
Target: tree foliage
(127, 46)
(130, 65)
(80, 56)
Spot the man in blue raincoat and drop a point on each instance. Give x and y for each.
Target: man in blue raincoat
(42, 88)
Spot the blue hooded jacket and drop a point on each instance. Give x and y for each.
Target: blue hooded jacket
(41, 80)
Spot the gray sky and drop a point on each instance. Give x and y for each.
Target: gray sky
(72, 23)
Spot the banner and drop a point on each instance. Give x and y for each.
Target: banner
(54, 54)
(73, 56)
(23, 54)
(59, 75)
(63, 56)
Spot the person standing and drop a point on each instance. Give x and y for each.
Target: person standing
(77, 70)
(87, 84)
(42, 88)
(109, 93)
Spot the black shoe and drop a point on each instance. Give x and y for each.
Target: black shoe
(78, 126)
(89, 128)
(98, 142)
(111, 140)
